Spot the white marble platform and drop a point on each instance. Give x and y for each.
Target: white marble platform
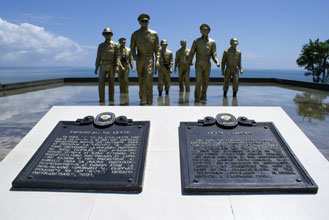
(161, 197)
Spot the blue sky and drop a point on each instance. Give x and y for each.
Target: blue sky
(67, 33)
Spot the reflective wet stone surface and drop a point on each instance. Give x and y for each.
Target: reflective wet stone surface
(309, 108)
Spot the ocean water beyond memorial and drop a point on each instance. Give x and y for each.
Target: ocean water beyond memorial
(23, 74)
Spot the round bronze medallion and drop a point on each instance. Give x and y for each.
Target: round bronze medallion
(104, 119)
(226, 120)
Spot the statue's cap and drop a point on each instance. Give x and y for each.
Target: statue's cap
(107, 30)
(234, 41)
(122, 39)
(204, 26)
(143, 17)
(164, 41)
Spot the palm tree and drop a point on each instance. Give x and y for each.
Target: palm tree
(325, 61)
(314, 58)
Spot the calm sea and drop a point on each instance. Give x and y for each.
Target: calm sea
(23, 74)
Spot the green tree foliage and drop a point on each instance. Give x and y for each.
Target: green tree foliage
(314, 58)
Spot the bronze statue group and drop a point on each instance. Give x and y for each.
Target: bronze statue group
(144, 49)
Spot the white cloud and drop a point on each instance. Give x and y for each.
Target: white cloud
(41, 18)
(252, 56)
(28, 44)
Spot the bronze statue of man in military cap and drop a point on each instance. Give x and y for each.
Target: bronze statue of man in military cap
(166, 64)
(146, 42)
(108, 59)
(126, 60)
(205, 48)
(231, 64)
(181, 60)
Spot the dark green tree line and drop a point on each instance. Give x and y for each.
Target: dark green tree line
(314, 58)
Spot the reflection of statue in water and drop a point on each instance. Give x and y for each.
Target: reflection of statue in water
(234, 101)
(205, 48)
(124, 99)
(231, 64)
(108, 58)
(166, 63)
(181, 60)
(126, 60)
(146, 42)
(184, 99)
(164, 100)
(310, 105)
(200, 103)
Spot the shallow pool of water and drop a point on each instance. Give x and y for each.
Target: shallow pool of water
(21, 110)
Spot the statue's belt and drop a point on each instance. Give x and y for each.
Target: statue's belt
(108, 62)
(145, 55)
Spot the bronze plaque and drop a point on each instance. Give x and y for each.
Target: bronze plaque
(249, 157)
(107, 155)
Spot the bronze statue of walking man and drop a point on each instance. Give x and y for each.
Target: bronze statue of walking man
(146, 42)
(181, 60)
(126, 60)
(108, 59)
(231, 64)
(166, 64)
(205, 48)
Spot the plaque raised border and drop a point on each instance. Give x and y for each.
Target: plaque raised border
(219, 180)
(100, 182)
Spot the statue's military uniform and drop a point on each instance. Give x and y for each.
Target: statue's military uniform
(232, 61)
(147, 43)
(181, 60)
(108, 57)
(126, 59)
(166, 65)
(204, 49)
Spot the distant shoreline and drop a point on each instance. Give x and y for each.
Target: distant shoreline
(134, 81)
(24, 74)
